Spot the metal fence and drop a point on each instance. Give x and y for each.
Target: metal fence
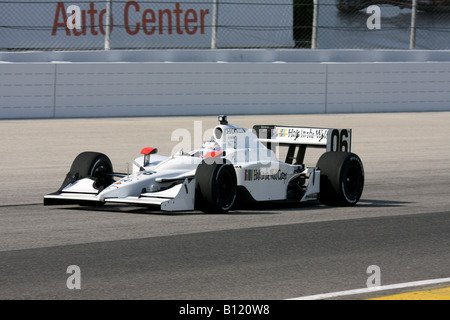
(384, 24)
(203, 24)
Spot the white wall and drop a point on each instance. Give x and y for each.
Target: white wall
(27, 90)
(138, 89)
(388, 87)
(115, 89)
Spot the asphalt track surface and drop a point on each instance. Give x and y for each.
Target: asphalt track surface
(401, 224)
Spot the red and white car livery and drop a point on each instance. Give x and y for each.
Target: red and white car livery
(238, 166)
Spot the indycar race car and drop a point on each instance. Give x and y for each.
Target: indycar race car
(236, 166)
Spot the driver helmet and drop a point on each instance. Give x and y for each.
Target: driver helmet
(209, 146)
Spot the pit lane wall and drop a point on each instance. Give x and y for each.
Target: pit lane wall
(209, 82)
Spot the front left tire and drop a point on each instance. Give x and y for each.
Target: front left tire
(93, 165)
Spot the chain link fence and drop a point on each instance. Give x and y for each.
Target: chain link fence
(384, 24)
(205, 24)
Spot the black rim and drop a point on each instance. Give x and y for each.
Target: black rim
(99, 170)
(225, 189)
(352, 183)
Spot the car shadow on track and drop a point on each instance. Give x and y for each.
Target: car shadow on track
(127, 209)
(372, 203)
(269, 208)
(314, 205)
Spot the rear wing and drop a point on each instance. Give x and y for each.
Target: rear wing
(331, 139)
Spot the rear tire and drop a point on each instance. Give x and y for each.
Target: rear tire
(93, 165)
(216, 187)
(341, 178)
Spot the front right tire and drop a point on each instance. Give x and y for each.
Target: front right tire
(216, 186)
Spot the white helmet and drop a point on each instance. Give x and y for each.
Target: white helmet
(209, 146)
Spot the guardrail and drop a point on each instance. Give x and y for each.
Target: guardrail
(259, 85)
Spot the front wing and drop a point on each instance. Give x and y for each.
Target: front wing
(180, 197)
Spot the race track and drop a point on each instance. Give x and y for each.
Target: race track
(400, 225)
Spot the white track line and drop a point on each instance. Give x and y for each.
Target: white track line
(372, 289)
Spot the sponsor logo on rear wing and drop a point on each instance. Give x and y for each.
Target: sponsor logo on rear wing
(330, 138)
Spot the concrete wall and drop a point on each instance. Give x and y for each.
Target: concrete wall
(257, 85)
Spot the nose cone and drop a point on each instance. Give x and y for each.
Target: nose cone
(129, 186)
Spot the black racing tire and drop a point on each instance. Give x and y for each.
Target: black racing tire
(94, 165)
(341, 178)
(216, 187)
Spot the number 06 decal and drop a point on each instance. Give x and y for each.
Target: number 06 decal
(339, 140)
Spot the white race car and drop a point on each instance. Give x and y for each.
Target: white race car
(237, 166)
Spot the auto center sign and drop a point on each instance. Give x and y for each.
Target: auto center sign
(136, 19)
(146, 24)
